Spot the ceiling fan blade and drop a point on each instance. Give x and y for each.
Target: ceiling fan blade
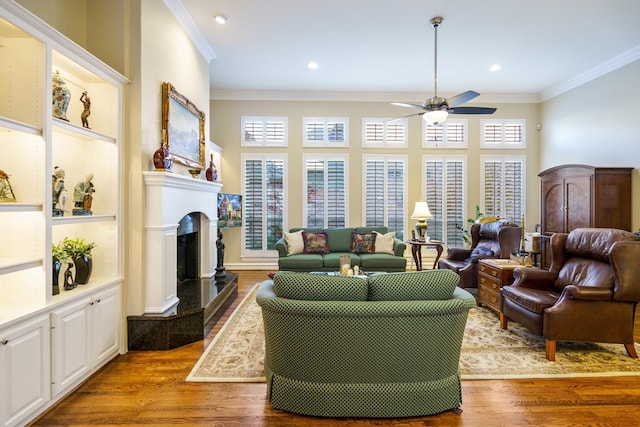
(461, 98)
(405, 104)
(472, 110)
(403, 117)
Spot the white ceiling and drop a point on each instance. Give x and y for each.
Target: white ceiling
(387, 47)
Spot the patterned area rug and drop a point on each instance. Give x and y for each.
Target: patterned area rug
(488, 352)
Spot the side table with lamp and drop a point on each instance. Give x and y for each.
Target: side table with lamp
(421, 213)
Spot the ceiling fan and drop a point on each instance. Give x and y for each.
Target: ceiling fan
(437, 109)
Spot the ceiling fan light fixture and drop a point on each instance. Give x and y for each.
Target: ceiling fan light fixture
(435, 117)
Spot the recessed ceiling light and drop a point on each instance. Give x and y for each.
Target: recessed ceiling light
(220, 18)
(312, 65)
(495, 67)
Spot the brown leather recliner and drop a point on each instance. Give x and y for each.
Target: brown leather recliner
(489, 240)
(589, 294)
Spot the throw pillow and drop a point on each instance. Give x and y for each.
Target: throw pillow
(384, 242)
(295, 245)
(363, 243)
(315, 243)
(479, 252)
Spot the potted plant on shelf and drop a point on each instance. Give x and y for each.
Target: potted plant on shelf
(80, 252)
(59, 255)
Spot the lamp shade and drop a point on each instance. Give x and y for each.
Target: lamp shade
(421, 211)
(435, 117)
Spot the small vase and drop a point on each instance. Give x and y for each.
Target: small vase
(162, 158)
(211, 172)
(57, 265)
(84, 267)
(61, 97)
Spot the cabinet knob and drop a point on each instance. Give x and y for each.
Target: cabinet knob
(98, 300)
(494, 273)
(4, 342)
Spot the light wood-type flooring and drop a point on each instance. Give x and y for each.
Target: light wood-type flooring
(148, 388)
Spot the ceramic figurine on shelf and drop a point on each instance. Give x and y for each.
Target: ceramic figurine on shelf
(83, 196)
(59, 192)
(6, 192)
(212, 172)
(69, 283)
(61, 97)
(86, 112)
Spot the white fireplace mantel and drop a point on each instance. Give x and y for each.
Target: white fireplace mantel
(169, 197)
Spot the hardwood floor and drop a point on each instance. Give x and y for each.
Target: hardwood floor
(149, 388)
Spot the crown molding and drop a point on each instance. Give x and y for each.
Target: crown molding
(600, 70)
(338, 96)
(184, 18)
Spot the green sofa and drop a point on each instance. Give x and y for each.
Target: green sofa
(340, 241)
(383, 346)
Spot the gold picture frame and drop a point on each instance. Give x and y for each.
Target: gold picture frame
(183, 127)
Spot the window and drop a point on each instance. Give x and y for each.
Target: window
(503, 186)
(503, 134)
(384, 192)
(387, 133)
(264, 131)
(444, 191)
(264, 188)
(325, 132)
(451, 134)
(325, 191)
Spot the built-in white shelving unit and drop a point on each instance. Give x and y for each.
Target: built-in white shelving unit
(33, 321)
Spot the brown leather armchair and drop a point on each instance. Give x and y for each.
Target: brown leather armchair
(589, 293)
(489, 240)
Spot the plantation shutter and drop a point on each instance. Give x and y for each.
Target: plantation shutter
(325, 193)
(453, 133)
(384, 197)
(264, 131)
(504, 188)
(378, 133)
(444, 188)
(264, 204)
(327, 132)
(503, 133)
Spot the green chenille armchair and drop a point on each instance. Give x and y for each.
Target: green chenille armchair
(383, 346)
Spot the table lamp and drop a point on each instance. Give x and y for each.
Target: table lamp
(421, 212)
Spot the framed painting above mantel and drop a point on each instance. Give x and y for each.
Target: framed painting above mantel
(183, 128)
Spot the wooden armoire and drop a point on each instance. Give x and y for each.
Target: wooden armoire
(575, 196)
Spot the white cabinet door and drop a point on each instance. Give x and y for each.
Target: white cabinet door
(24, 379)
(106, 325)
(71, 358)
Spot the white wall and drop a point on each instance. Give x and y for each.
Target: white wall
(596, 124)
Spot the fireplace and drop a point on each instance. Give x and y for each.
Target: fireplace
(181, 292)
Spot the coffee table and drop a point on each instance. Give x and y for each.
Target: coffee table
(416, 251)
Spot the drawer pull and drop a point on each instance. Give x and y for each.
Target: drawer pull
(4, 342)
(494, 273)
(495, 286)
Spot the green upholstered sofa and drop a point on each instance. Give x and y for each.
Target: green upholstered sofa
(339, 242)
(383, 346)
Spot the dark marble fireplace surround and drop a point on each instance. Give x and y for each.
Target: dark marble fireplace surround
(199, 298)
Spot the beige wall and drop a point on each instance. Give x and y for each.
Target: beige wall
(67, 16)
(225, 131)
(596, 124)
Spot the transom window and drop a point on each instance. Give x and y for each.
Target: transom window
(503, 133)
(451, 134)
(325, 132)
(384, 132)
(264, 131)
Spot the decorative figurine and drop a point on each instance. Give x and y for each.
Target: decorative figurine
(83, 196)
(86, 101)
(59, 199)
(69, 283)
(61, 97)
(6, 192)
(211, 172)
(162, 159)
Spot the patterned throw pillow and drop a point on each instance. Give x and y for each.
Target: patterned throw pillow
(363, 243)
(315, 243)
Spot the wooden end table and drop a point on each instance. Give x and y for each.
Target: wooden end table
(493, 274)
(416, 251)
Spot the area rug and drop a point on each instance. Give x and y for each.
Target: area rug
(488, 352)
